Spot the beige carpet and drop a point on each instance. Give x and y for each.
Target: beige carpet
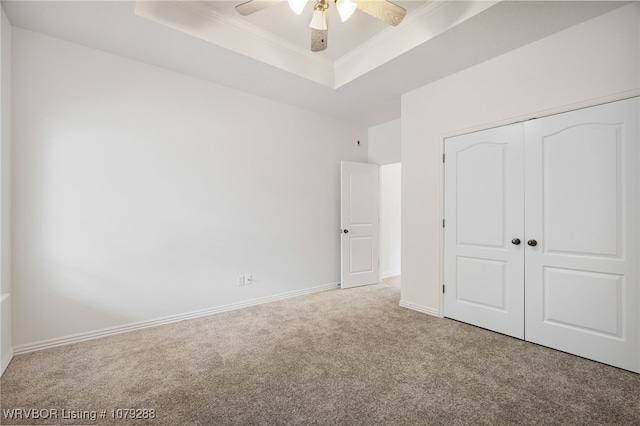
(343, 357)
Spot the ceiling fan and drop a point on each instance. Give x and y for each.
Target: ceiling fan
(383, 10)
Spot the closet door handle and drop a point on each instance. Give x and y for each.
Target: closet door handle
(532, 243)
(515, 241)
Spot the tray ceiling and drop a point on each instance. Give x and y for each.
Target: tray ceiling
(279, 37)
(359, 78)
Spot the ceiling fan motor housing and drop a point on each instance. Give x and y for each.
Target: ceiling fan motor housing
(321, 5)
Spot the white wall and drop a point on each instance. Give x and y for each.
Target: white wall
(5, 192)
(390, 213)
(140, 193)
(384, 149)
(384, 143)
(590, 63)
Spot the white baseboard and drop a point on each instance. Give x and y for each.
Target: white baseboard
(390, 273)
(420, 308)
(46, 344)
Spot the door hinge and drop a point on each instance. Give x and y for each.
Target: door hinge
(443, 223)
(442, 288)
(443, 158)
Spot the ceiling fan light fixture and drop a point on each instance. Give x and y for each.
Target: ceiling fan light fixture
(318, 20)
(345, 9)
(297, 6)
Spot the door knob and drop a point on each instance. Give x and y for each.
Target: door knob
(515, 241)
(532, 243)
(346, 231)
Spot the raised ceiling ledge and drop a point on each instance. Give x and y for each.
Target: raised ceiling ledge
(201, 20)
(417, 28)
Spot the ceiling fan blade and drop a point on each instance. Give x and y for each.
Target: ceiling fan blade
(384, 10)
(319, 40)
(252, 6)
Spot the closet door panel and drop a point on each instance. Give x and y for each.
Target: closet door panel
(581, 203)
(580, 176)
(483, 213)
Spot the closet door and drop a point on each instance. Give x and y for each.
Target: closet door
(483, 214)
(582, 190)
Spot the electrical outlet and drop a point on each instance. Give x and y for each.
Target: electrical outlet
(240, 279)
(248, 279)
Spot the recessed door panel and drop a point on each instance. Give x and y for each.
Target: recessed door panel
(360, 208)
(480, 181)
(581, 200)
(361, 250)
(600, 305)
(483, 214)
(581, 170)
(482, 282)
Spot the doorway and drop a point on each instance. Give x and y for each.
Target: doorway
(390, 223)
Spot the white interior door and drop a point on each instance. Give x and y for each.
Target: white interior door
(484, 221)
(359, 222)
(582, 190)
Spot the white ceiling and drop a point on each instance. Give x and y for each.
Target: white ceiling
(359, 78)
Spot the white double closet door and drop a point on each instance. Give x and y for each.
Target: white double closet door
(542, 231)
